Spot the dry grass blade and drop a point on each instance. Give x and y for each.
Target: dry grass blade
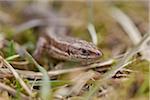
(128, 70)
(91, 27)
(21, 63)
(92, 32)
(127, 25)
(12, 91)
(16, 76)
(33, 83)
(39, 75)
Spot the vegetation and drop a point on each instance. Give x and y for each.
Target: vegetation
(118, 28)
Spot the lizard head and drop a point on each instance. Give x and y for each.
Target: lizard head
(81, 50)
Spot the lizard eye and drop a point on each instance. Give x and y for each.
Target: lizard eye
(85, 52)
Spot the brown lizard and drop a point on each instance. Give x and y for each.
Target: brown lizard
(63, 47)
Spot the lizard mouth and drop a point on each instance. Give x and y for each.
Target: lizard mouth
(93, 56)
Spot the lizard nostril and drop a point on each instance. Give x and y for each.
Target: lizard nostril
(98, 53)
